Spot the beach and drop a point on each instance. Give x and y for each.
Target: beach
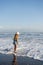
(29, 50)
(10, 59)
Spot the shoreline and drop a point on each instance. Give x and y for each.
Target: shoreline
(11, 59)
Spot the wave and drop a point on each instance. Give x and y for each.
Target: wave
(30, 45)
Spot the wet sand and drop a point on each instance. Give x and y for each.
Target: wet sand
(11, 59)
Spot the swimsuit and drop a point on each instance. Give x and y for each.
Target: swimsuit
(15, 42)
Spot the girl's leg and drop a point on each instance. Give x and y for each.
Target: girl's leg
(15, 47)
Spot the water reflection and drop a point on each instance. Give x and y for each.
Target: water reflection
(14, 62)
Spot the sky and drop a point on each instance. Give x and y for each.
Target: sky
(21, 14)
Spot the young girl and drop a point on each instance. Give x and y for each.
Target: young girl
(15, 40)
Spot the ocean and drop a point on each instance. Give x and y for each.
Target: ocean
(29, 44)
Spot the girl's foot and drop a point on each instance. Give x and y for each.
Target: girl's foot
(14, 51)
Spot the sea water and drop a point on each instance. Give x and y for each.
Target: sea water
(29, 44)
